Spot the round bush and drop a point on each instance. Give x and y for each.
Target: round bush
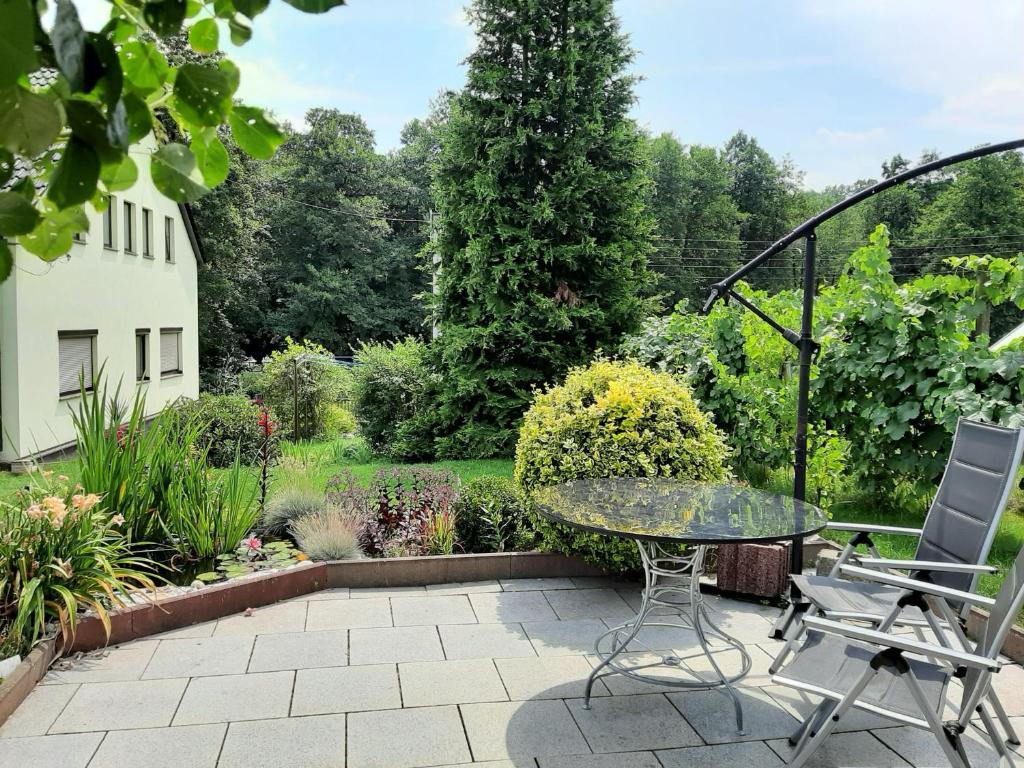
(491, 516)
(289, 505)
(614, 419)
(229, 422)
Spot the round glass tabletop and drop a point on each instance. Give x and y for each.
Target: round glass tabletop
(669, 510)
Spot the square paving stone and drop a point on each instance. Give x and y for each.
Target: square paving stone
(71, 751)
(427, 683)
(485, 641)
(712, 714)
(522, 729)
(236, 697)
(922, 750)
(193, 630)
(463, 588)
(846, 750)
(547, 677)
(428, 611)
(382, 592)
(309, 742)
(510, 607)
(800, 704)
(36, 713)
(755, 754)
(161, 747)
(200, 657)
(280, 617)
(348, 614)
(108, 665)
(346, 689)
(619, 760)
(531, 585)
(406, 738)
(115, 706)
(748, 628)
(564, 638)
(660, 638)
(589, 604)
(300, 650)
(394, 644)
(620, 685)
(633, 723)
(1009, 685)
(730, 662)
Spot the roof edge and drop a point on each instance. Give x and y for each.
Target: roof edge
(192, 231)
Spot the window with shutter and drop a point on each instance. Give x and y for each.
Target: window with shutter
(75, 361)
(170, 351)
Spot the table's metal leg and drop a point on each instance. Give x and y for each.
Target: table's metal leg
(670, 581)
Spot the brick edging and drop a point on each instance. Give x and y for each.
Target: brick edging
(19, 684)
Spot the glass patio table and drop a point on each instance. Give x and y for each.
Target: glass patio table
(674, 523)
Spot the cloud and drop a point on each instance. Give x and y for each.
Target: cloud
(459, 20)
(993, 107)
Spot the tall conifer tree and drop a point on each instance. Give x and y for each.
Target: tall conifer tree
(544, 239)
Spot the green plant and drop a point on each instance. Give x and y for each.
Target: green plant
(205, 515)
(288, 505)
(491, 515)
(439, 536)
(252, 555)
(338, 420)
(614, 419)
(228, 423)
(331, 533)
(75, 131)
(60, 553)
(393, 389)
(351, 450)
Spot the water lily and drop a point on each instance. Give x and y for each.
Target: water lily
(252, 543)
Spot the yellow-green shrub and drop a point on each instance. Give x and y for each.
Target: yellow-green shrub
(614, 419)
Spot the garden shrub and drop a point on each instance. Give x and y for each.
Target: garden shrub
(491, 515)
(329, 533)
(614, 419)
(288, 505)
(228, 423)
(338, 420)
(393, 389)
(303, 373)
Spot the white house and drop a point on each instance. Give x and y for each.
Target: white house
(124, 298)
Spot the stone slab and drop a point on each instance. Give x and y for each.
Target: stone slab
(394, 645)
(518, 730)
(406, 738)
(161, 747)
(346, 689)
(300, 650)
(484, 641)
(432, 683)
(310, 742)
(116, 706)
(258, 696)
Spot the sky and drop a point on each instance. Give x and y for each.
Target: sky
(838, 85)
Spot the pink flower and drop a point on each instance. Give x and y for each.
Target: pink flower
(117, 520)
(253, 543)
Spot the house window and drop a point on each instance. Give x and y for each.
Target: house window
(147, 233)
(142, 354)
(75, 352)
(110, 223)
(168, 239)
(129, 227)
(170, 351)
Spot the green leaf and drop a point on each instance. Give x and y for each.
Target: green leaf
(75, 177)
(204, 36)
(29, 122)
(211, 157)
(138, 118)
(256, 133)
(54, 234)
(231, 71)
(251, 8)
(17, 215)
(68, 39)
(175, 174)
(192, 8)
(6, 261)
(165, 16)
(103, 69)
(240, 30)
(17, 53)
(202, 94)
(144, 66)
(117, 127)
(119, 176)
(315, 6)
(90, 126)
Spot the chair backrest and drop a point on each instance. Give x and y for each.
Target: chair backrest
(963, 518)
(1009, 601)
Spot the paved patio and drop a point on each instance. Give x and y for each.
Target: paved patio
(487, 674)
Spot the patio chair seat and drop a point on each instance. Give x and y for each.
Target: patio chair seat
(831, 666)
(855, 600)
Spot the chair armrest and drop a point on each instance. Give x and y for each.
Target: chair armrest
(903, 643)
(916, 585)
(925, 565)
(864, 528)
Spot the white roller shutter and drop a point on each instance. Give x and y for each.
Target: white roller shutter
(170, 352)
(75, 353)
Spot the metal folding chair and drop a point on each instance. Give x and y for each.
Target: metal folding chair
(900, 678)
